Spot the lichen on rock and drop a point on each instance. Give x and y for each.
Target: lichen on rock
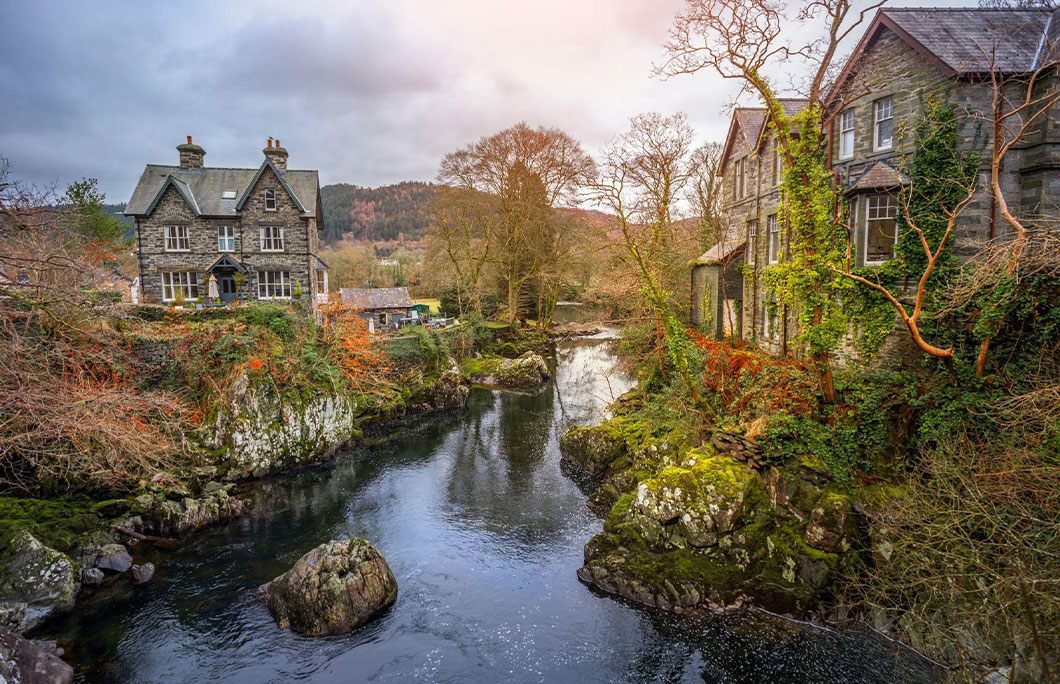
(41, 579)
(332, 589)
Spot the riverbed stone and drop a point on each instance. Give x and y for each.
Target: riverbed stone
(23, 661)
(332, 589)
(143, 573)
(526, 371)
(91, 577)
(44, 579)
(113, 557)
(592, 449)
(170, 518)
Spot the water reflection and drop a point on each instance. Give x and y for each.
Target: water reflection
(483, 533)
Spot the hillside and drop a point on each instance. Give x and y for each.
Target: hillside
(374, 214)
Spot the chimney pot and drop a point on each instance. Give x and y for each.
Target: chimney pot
(189, 140)
(191, 155)
(269, 144)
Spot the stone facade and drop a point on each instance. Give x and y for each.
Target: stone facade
(886, 68)
(209, 203)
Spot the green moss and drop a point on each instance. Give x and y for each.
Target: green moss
(59, 523)
(480, 367)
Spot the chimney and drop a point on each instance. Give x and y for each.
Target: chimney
(276, 153)
(190, 155)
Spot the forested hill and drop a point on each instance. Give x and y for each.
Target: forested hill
(381, 213)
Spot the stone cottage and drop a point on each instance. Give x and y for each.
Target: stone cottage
(383, 308)
(216, 235)
(905, 56)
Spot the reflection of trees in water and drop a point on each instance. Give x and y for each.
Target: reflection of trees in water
(589, 380)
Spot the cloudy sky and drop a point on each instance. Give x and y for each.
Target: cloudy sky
(367, 91)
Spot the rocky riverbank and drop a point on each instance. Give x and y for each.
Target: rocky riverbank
(709, 527)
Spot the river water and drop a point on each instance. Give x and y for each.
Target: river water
(484, 534)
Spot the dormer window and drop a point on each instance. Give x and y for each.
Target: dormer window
(884, 123)
(270, 200)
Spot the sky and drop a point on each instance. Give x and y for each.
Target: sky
(369, 92)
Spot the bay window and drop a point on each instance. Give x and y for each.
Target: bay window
(881, 228)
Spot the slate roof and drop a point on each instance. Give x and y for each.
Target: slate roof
(367, 299)
(964, 39)
(880, 176)
(205, 185)
(721, 251)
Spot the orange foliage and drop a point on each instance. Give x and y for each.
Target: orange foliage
(752, 384)
(350, 344)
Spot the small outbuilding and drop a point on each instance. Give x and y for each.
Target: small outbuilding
(384, 308)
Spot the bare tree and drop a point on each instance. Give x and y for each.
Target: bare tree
(644, 173)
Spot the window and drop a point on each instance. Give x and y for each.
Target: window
(752, 240)
(226, 239)
(274, 285)
(382, 318)
(777, 165)
(846, 134)
(228, 194)
(180, 285)
(774, 238)
(177, 239)
(272, 238)
(270, 200)
(881, 230)
(884, 118)
(769, 320)
(322, 282)
(741, 168)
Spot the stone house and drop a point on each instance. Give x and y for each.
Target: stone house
(905, 56)
(216, 235)
(383, 308)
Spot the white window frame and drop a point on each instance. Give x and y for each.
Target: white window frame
(270, 199)
(882, 112)
(876, 209)
(777, 162)
(269, 240)
(773, 244)
(274, 284)
(752, 240)
(188, 281)
(226, 238)
(741, 178)
(175, 236)
(846, 133)
(322, 282)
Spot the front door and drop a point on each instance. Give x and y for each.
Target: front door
(226, 286)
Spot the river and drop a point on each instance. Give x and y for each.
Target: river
(484, 534)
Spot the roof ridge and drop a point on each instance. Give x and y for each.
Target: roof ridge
(966, 9)
(220, 168)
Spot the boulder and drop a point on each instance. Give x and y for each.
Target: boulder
(332, 589)
(113, 557)
(91, 577)
(169, 518)
(31, 662)
(592, 450)
(143, 573)
(529, 370)
(41, 577)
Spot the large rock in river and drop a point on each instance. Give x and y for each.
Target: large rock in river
(529, 370)
(332, 589)
(40, 578)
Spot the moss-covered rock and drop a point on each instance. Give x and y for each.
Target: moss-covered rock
(526, 371)
(41, 578)
(592, 450)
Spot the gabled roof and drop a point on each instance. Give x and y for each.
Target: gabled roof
(181, 187)
(367, 299)
(267, 164)
(205, 187)
(964, 40)
(791, 106)
(227, 261)
(880, 176)
(747, 123)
